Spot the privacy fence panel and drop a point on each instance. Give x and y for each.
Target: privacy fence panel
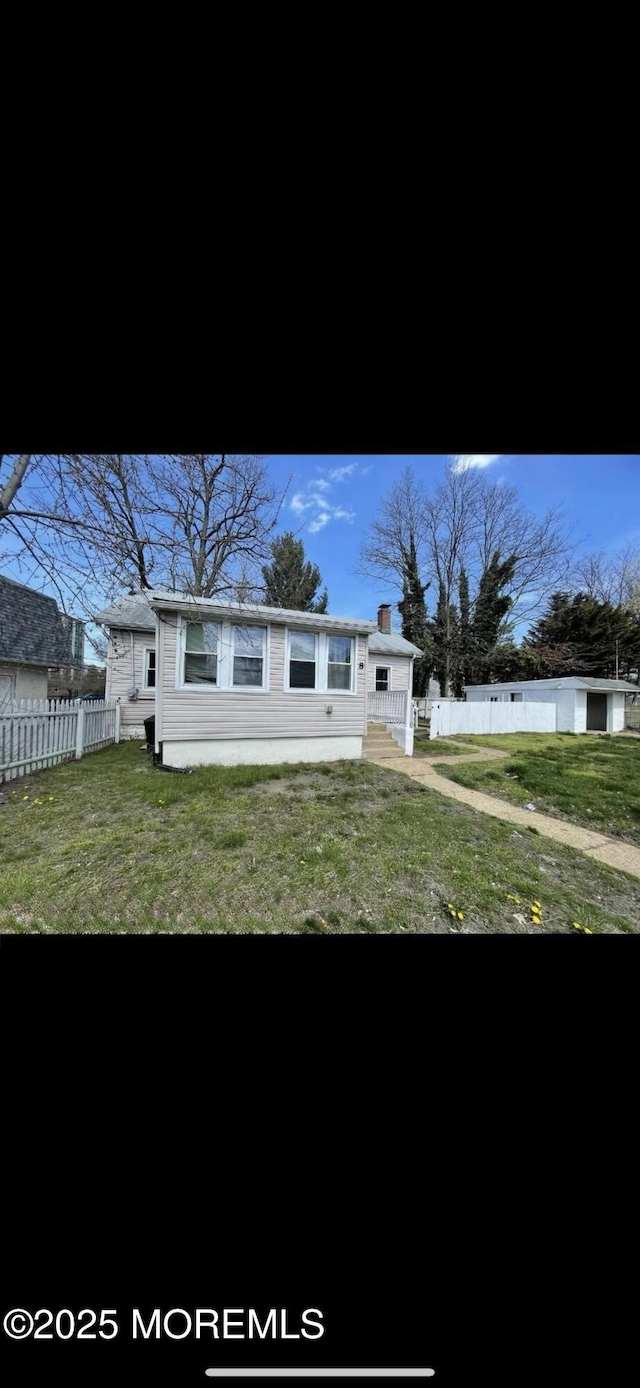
(449, 717)
(40, 733)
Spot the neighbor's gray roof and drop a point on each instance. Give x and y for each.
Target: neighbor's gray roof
(138, 611)
(566, 682)
(130, 612)
(389, 643)
(32, 629)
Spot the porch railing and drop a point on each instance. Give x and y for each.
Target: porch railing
(390, 707)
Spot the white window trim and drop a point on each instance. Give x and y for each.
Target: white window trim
(148, 688)
(389, 670)
(225, 654)
(322, 664)
(181, 643)
(342, 693)
(317, 636)
(249, 688)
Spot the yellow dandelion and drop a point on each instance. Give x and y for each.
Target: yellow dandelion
(536, 905)
(587, 931)
(576, 925)
(460, 916)
(25, 797)
(536, 920)
(51, 797)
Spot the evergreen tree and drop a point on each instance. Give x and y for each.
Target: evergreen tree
(290, 581)
(443, 627)
(578, 636)
(415, 626)
(490, 611)
(464, 636)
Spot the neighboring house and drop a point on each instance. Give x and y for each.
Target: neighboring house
(231, 683)
(582, 704)
(34, 637)
(131, 676)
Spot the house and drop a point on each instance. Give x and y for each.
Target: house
(34, 637)
(391, 657)
(131, 659)
(233, 683)
(582, 704)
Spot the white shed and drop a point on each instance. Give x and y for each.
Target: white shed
(583, 704)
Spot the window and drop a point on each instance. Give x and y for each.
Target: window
(202, 640)
(302, 660)
(149, 677)
(516, 698)
(383, 678)
(339, 662)
(249, 656)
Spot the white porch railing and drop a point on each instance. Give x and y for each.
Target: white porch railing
(39, 733)
(390, 707)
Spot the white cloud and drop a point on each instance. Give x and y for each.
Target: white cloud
(319, 522)
(463, 461)
(338, 474)
(314, 498)
(298, 503)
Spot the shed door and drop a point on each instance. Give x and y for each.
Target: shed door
(596, 713)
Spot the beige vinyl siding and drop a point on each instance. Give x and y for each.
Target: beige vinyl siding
(22, 681)
(119, 681)
(190, 714)
(400, 666)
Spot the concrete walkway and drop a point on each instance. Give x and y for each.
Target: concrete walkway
(614, 852)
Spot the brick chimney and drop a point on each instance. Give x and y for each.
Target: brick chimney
(384, 617)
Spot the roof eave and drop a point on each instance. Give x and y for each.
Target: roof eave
(268, 614)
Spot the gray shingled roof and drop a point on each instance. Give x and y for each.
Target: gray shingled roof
(566, 682)
(32, 629)
(129, 612)
(138, 612)
(390, 643)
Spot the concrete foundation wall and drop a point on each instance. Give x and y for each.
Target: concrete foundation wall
(248, 751)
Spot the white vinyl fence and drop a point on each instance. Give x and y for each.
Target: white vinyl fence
(449, 717)
(39, 733)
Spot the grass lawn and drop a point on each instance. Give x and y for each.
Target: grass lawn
(422, 747)
(109, 844)
(594, 781)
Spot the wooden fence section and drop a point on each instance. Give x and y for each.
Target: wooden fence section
(36, 734)
(449, 717)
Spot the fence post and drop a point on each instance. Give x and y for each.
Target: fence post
(117, 736)
(80, 732)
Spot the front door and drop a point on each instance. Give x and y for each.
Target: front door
(596, 713)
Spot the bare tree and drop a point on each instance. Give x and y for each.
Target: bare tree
(93, 524)
(610, 578)
(462, 524)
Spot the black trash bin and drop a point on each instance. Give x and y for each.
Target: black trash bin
(150, 732)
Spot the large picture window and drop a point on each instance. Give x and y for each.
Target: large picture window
(339, 662)
(249, 656)
(202, 640)
(302, 660)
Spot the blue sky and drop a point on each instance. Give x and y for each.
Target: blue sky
(332, 500)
